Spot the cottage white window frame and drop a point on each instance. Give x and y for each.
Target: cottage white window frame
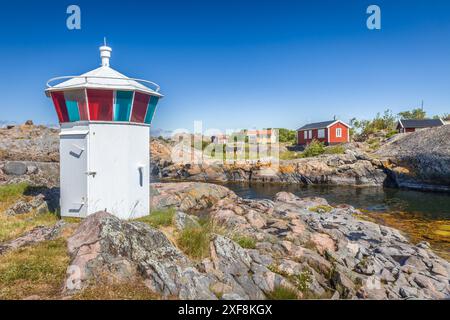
(310, 134)
(321, 133)
(338, 132)
(305, 135)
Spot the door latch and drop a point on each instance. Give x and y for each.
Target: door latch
(91, 173)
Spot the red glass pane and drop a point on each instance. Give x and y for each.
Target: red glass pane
(100, 104)
(139, 107)
(60, 106)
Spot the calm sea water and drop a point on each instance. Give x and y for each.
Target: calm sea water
(425, 205)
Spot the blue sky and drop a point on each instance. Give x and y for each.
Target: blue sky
(235, 64)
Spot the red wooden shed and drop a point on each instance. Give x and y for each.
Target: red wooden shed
(329, 132)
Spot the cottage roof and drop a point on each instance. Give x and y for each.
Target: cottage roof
(422, 123)
(321, 125)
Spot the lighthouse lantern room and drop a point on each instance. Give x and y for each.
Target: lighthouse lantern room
(104, 141)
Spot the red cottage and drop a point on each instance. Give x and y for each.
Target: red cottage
(329, 132)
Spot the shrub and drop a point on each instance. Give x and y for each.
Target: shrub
(282, 293)
(314, 149)
(245, 242)
(159, 218)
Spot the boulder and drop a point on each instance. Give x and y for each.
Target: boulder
(15, 168)
(105, 245)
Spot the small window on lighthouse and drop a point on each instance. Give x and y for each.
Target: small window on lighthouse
(151, 109)
(60, 105)
(100, 104)
(122, 105)
(76, 105)
(139, 107)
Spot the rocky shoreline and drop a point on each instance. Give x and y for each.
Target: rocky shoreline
(302, 244)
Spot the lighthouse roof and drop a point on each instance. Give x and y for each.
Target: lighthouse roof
(103, 77)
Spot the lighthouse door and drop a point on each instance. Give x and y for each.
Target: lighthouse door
(73, 168)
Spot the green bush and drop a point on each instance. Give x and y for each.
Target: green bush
(286, 135)
(158, 218)
(315, 148)
(387, 121)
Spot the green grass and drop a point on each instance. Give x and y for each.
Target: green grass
(336, 149)
(290, 155)
(135, 290)
(245, 242)
(11, 192)
(36, 270)
(13, 226)
(159, 218)
(194, 241)
(390, 134)
(282, 293)
(302, 281)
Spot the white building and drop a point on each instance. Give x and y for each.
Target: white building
(104, 146)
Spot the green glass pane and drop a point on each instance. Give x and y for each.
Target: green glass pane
(72, 109)
(151, 109)
(122, 105)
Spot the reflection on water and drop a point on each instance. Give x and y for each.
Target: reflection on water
(426, 205)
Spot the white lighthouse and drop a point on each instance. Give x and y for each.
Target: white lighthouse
(104, 141)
